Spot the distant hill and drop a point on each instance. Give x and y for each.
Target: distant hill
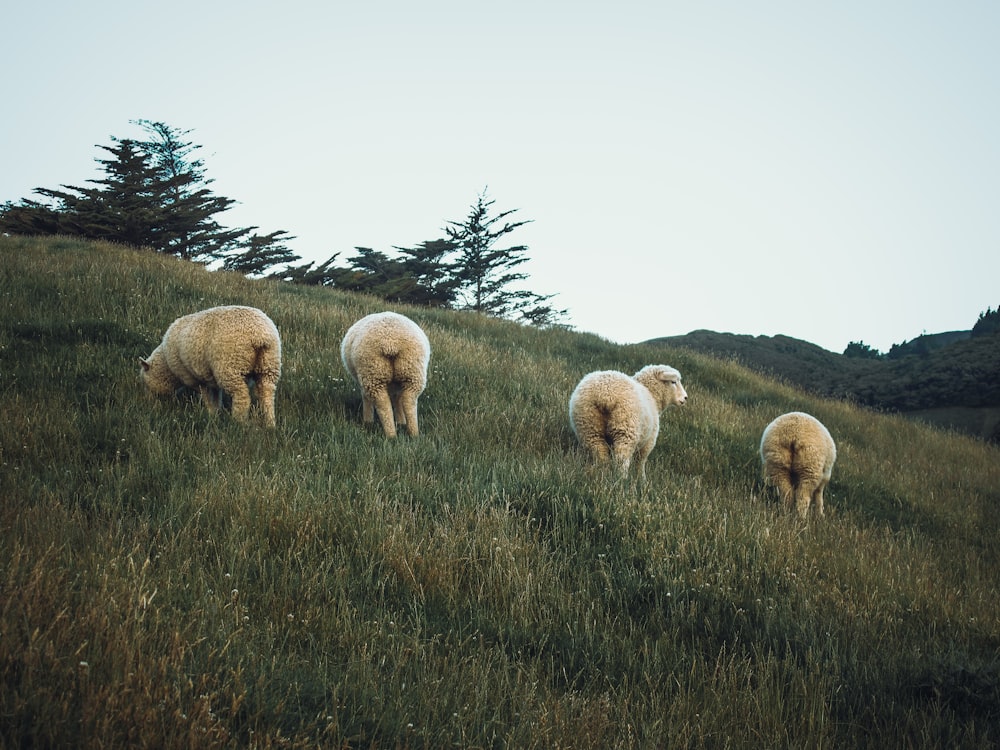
(947, 379)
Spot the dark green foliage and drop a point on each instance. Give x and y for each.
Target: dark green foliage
(260, 253)
(988, 323)
(152, 195)
(32, 218)
(487, 281)
(861, 350)
(312, 274)
(925, 344)
(429, 266)
(466, 271)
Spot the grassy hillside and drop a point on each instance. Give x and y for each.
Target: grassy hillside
(173, 579)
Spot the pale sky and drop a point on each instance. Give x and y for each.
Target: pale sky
(828, 171)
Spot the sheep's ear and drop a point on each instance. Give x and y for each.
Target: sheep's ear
(145, 364)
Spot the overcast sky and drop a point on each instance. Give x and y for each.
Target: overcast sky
(828, 171)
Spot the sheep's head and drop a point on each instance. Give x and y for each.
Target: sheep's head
(664, 383)
(156, 375)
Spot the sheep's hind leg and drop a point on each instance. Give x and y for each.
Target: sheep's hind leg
(397, 407)
(406, 403)
(265, 399)
(238, 390)
(595, 445)
(383, 407)
(818, 499)
(782, 482)
(623, 452)
(803, 496)
(241, 402)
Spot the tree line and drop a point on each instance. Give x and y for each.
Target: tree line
(154, 194)
(987, 324)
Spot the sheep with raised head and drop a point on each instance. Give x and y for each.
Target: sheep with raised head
(387, 354)
(617, 417)
(797, 455)
(221, 350)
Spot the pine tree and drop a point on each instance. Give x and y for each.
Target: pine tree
(190, 229)
(127, 209)
(485, 273)
(988, 323)
(434, 276)
(153, 194)
(260, 253)
(31, 218)
(861, 350)
(312, 274)
(374, 272)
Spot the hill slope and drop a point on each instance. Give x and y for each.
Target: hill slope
(174, 579)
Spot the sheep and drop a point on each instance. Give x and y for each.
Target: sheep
(797, 455)
(617, 417)
(219, 350)
(387, 354)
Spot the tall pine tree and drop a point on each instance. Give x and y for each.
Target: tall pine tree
(153, 194)
(127, 207)
(484, 271)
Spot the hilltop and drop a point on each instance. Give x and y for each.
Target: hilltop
(173, 579)
(947, 379)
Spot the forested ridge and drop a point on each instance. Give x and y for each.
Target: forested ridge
(947, 379)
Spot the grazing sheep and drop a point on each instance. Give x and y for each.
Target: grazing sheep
(387, 355)
(219, 350)
(617, 416)
(797, 456)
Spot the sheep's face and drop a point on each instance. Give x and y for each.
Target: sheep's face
(678, 396)
(665, 384)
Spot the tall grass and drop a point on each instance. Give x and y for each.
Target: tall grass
(171, 578)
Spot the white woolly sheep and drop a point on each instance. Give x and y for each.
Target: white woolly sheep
(387, 355)
(617, 417)
(219, 350)
(797, 456)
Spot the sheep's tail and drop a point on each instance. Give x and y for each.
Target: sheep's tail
(263, 358)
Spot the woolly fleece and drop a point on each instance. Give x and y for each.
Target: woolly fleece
(387, 354)
(797, 455)
(617, 417)
(215, 350)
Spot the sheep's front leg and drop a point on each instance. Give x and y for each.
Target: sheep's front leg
(367, 409)
(209, 396)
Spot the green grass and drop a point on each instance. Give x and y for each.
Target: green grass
(170, 578)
